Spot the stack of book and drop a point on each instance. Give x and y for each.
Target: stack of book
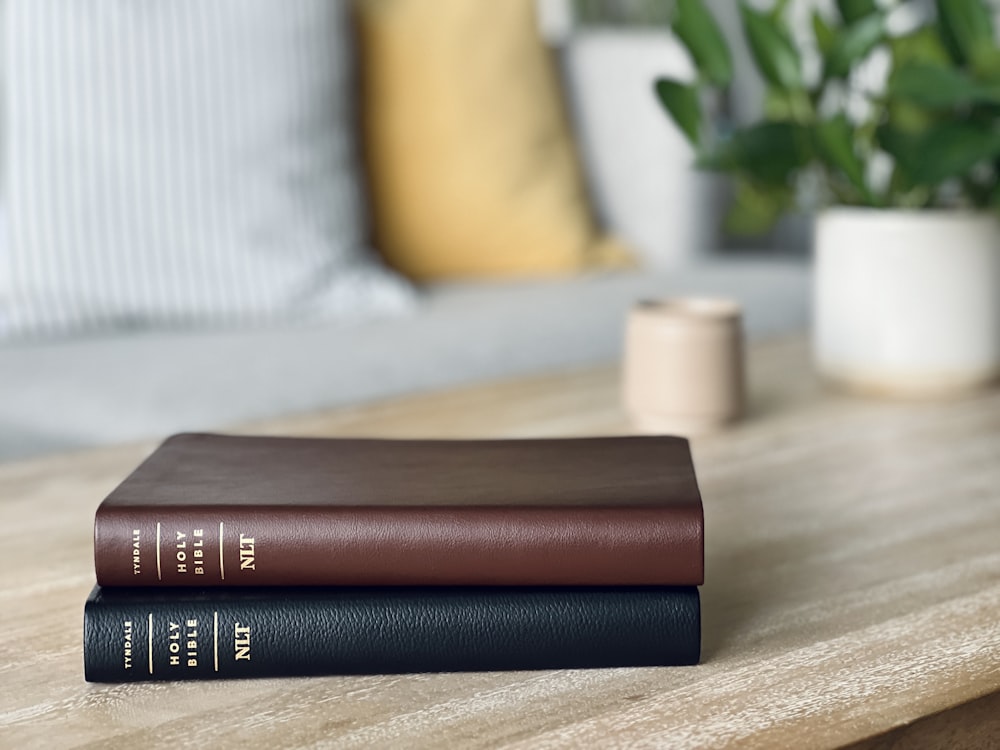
(225, 556)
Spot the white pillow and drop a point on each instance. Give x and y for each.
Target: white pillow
(181, 163)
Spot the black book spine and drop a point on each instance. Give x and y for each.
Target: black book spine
(144, 634)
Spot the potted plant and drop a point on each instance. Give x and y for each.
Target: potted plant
(669, 214)
(891, 129)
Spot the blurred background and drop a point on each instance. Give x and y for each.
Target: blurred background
(216, 212)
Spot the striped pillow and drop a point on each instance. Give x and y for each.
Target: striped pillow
(181, 163)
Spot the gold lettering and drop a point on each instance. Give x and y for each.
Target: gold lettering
(199, 553)
(135, 552)
(181, 554)
(192, 642)
(174, 645)
(247, 552)
(128, 644)
(241, 641)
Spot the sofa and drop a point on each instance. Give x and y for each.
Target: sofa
(119, 380)
(64, 395)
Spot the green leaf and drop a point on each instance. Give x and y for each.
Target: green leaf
(939, 87)
(952, 149)
(699, 32)
(854, 10)
(772, 49)
(853, 44)
(767, 153)
(966, 30)
(948, 150)
(778, 104)
(825, 36)
(922, 45)
(835, 139)
(778, 10)
(681, 101)
(903, 146)
(794, 105)
(987, 64)
(908, 117)
(756, 209)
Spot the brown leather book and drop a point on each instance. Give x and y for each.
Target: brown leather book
(211, 510)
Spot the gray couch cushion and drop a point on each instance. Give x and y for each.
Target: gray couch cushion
(103, 390)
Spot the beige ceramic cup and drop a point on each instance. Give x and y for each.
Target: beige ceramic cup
(684, 371)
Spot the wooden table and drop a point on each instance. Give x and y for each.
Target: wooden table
(852, 594)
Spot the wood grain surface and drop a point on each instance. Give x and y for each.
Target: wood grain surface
(853, 589)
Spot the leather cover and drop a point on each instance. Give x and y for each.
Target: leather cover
(250, 632)
(208, 510)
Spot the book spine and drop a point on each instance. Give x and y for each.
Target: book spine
(398, 546)
(133, 637)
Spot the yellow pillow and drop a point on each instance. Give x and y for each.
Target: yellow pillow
(471, 162)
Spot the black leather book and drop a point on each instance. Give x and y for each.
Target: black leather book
(157, 634)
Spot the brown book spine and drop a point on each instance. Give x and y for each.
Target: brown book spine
(291, 545)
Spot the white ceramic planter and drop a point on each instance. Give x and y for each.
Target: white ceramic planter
(907, 303)
(644, 185)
